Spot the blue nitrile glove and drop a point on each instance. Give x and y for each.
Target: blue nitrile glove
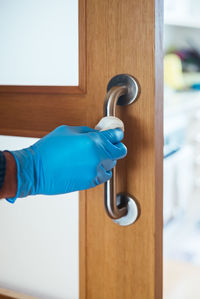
(67, 159)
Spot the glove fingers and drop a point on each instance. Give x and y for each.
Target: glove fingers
(113, 135)
(64, 129)
(109, 164)
(83, 129)
(117, 151)
(102, 175)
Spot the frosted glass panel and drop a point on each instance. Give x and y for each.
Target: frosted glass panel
(39, 42)
(39, 241)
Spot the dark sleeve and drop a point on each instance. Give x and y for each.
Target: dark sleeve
(2, 168)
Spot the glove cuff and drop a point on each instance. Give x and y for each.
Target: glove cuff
(26, 173)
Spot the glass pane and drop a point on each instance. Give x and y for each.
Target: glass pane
(182, 149)
(39, 252)
(39, 42)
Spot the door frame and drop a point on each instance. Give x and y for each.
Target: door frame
(16, 111)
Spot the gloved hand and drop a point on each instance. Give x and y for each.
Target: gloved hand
(67, 159)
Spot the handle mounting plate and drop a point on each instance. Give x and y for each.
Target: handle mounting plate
(132, 85)
(132, 209)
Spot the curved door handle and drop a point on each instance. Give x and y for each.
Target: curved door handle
(122, 90)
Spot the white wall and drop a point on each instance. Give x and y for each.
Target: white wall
(39, 241)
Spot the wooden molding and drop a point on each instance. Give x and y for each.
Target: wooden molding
(8, 294)
(34, 89)
(43, 89)
(23, 133)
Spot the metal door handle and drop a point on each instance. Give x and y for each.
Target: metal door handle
(122, 208)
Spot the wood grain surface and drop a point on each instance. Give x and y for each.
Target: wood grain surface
(8, 294)
(126, 262)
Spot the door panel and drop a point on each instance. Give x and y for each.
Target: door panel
(121, 37)
(125, 262)
(39, 237)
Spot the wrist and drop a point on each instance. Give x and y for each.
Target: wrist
(9, 187)
(27, 169)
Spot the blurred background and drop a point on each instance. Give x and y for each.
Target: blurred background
(182, 149)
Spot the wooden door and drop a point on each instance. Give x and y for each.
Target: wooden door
(115, 37)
